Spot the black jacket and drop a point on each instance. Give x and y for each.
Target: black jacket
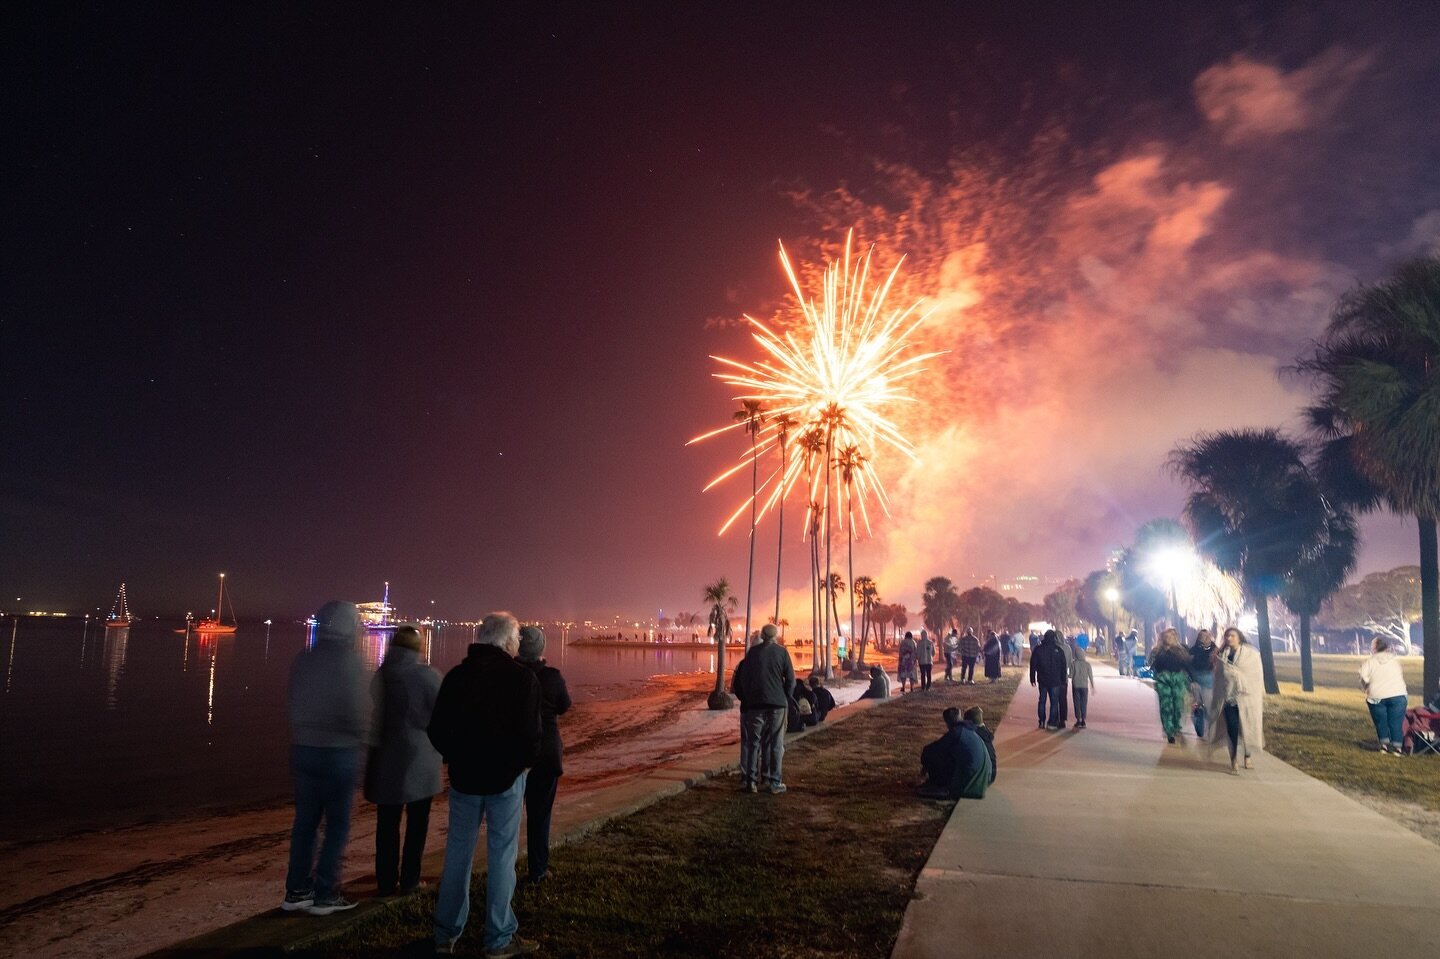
(767, 678)
(554, 701)
(1171, 660)
(1047, 664)
(824, 702)
(487, 721)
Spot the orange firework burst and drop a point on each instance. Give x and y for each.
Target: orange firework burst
(835, 378)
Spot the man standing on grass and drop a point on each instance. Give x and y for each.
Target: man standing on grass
(487, 726)
(1048, 673)
(329, 717)
(763, 682)
(969, 653)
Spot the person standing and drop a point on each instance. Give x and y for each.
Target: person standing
(328, 713)
(992, 656)
(925, 656)
(1239, 692)
(1171, 665)
(1202, 678)
(1384, 684)
(487, 725)
(952, 651)
(906, 662)
(1063, 642)
(1048, 674)
(543, 780)
(969, 653)
(764, 684)
(1005, 640)
(403, 771)
(1082, 678)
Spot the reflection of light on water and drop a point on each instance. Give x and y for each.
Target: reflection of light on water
(115, 647)
(210, 700)
(185, 657)
(10, 667)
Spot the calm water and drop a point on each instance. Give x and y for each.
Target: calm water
(110, 727)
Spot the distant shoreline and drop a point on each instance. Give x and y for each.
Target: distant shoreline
(645, 644)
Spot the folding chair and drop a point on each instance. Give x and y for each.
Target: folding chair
(1422, 731)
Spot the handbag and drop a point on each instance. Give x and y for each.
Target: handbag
(1198, 717)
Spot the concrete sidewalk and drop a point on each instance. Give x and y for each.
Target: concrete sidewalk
(1108, 842)
(275, 933)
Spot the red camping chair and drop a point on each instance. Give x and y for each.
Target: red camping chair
(1422, 731)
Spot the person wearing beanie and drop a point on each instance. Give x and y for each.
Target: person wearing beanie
(328, 712)
(403, 771)
(544, 777)
(763, 682)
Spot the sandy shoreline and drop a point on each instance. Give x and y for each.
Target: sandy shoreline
(128, 891)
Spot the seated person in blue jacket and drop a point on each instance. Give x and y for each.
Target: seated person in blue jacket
(957, 765)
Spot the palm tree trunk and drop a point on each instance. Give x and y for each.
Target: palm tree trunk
(829, 672)
(1307, 677)
(814, 597)
(850, 557)
(1267, 652)
(780, 538)
(1429, 604)
(750, 577)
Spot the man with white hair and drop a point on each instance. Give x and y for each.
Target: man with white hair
(487, 726)
(764, 680)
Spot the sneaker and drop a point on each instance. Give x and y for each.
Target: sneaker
(328, 904)
(748, 787)
(777, 788)
(296, 901)
(545, 876)
(1170, 740)
(515, 947)
(445, 948)
(407, 890)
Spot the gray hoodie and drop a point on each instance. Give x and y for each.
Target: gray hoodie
(329, 702)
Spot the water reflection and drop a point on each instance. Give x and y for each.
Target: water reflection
(210, 694)
(10, 666)
(116, 643)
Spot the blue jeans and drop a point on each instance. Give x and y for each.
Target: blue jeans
(501, 813)
(324, 789)
(1389, 718)
(762, 744)
(1052, 693)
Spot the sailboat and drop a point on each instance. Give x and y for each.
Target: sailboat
(217, 625)
(119, 617)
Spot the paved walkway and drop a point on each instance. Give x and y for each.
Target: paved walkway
(1108, 842)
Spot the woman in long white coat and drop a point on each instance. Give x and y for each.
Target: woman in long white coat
(1238, 698)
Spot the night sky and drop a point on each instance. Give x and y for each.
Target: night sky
(427, 295)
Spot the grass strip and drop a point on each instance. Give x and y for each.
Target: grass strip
(825, 870)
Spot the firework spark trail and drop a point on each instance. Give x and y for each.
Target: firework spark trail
(840, 373)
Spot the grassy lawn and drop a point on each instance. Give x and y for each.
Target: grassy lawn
(1329, 735)
(825, 870)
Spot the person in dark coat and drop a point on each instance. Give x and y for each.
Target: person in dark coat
(487, 726)
(824, 700)
(544, 776)
(764, 685)
(879, 685)
(968, 761)
(992, 656)
(975, 717)
(1049, 672)
(803, 714)
(403, 772)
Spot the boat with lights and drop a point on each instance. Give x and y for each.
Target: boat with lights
(119, 617)
(216, 625)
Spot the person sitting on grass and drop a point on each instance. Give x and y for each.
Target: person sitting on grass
(824, 701)
(801, 712)
(975, 716)
(962, 753)
(879, 685)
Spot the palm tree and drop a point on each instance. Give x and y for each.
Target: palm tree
(881, 616)
(812, 442)
(899, 618)
(783, 423)
(1378, 373)
(1321, 571)
(832, 418)
(940, 603)
(848, 462)
(722, 602)
(1136, 569)
(1255, 511)
(752, 414)
(864, 589)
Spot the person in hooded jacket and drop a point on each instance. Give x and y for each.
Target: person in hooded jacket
(1049, 673)
(544, 777)
(329, 720)
(403, 771)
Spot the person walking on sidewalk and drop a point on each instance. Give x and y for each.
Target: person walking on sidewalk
(1240, 694)
(905, 664)
(1048, 674)
(1202, 678)
(764, 684)
(1386, 695)
(403, 771)
(328, 707)
(487, 725)
(969, 653)
(1171, 665)
(925, 656)
(952, 652)
(543, 779)
(992, 656)
(1082, 678)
